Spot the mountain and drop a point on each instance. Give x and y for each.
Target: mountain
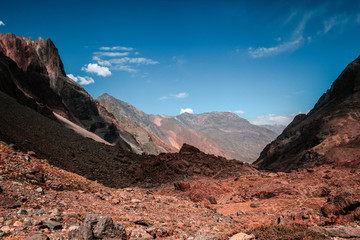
(329, 133)
(219, 133)
(277, 128)
(32, 72)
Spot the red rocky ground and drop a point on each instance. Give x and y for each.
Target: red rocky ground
(37, 198)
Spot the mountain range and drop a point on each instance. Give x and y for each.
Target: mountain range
(220, 133)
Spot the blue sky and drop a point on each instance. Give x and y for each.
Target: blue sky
(264, 61)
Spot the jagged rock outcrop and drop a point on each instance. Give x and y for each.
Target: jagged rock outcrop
(329, 133)
(32, 72)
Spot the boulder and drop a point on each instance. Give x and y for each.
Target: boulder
(98, 227)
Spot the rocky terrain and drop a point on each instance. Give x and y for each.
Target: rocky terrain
(220, 133)
(42, 200)
(329, 133)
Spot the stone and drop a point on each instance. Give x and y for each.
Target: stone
(343, 232)
(41, 211)
(40, 190)
(242, 236)
(38, 237)
(212, 199)
(53, 225)
(182, 186)
(357, 214)
(17, 224)
(22, 212)
(255, 204)
(98, 227)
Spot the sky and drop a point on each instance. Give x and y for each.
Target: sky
(263, 60)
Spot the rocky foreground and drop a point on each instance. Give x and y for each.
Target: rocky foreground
(39, 201)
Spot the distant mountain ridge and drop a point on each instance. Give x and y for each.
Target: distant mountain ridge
(219, 133)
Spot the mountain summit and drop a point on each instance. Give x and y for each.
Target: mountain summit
(329, 133)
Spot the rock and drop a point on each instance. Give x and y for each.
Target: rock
(53, 225)
(212, 199)
(98, 227)
(239, 213)
(22, 212)
(40, 190)
(343, 232)
(255, 204)
(357, 214)
(41, 211)
(17, 224)
(38, 237)
(159, 232)
(140, 233)
(32, 154)
(182, 186)
(242, 236)
(188, 149)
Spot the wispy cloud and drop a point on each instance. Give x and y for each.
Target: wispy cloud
(306, 28)
(261, 52)
(186, 110)
(127, 60)
(116, 48)
(273, 119)
(2, 23)
(239, 112)
(179, 95)
(333, 22)
(95, 68)
(109, 57)
(296, 40)
(111, 54)
(82, 80)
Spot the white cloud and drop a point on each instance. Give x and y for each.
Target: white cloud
(333, 22)
(295, 42)
(139, 61)
(101, 62)
(81, 80)
(2, 23)
(95, 68)
(181, 95)
(124, 68)
(271, 51)
(112, 54)
(186, 110)
(239, 112)
(272, 119)
(116, 48)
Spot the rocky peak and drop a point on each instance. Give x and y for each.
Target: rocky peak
(329, 133)
(346, 84)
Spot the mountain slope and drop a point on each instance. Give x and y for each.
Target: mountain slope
(329, 133)
(32, 72)
(223, 134)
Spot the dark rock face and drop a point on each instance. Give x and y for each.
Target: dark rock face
(98, 227)
(329, 133)
(33, 73)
